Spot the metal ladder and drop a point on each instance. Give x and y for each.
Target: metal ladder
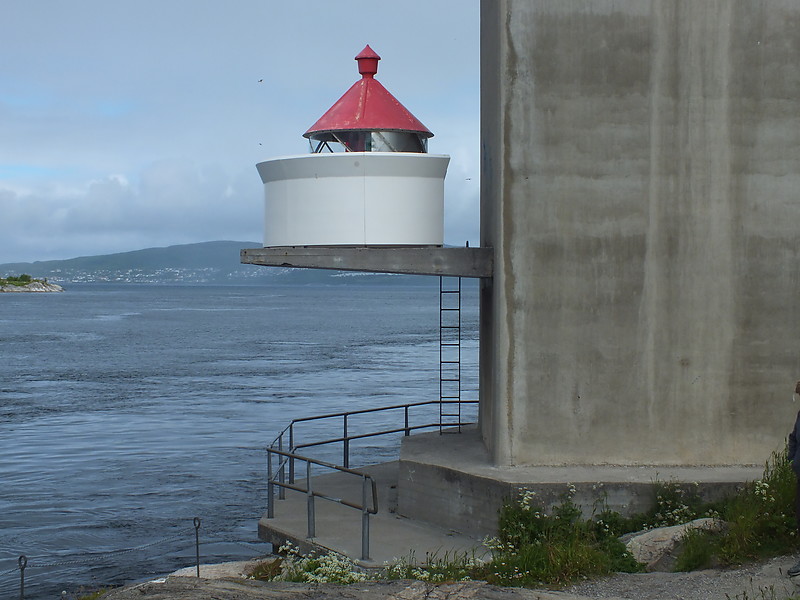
(449, 354)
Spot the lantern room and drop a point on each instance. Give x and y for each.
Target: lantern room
(368, 180)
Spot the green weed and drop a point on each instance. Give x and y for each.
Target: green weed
(93, 595)
(762, 593)
(267, 570)
(534, 547)
(458, 566)
(23, 279)
(760, 522)
(761, 517)
(700, 549)
(325, 568)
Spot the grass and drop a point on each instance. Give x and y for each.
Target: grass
(93, 595)
(534, 547)
(325, 568)
(19, 280)
(762, 593)
(268, 570)
(760, 520)
(456, 566)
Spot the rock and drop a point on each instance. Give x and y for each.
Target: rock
(184, 588)
(229, 581)
(759, 580)
(658, 548)
(33, 286)
(241, 568)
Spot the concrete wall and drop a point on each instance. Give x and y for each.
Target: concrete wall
(641, 188)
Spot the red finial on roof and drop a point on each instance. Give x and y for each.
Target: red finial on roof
(367, 62)
(367, 106)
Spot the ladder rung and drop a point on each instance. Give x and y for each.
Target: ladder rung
(450, 367)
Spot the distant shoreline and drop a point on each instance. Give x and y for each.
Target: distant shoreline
(33, 286)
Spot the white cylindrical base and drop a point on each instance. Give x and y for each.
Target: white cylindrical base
(354, 199)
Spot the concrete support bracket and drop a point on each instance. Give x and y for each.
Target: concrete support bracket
(456, 262)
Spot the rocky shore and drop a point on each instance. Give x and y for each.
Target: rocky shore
(227, 582)
(33, 286)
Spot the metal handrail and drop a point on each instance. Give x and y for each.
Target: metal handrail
(346, 437)
(288, 457)
(277, 479)
(359, 436)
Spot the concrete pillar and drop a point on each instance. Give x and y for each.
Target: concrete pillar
(641, 191)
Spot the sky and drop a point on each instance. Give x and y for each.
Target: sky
(130, 124)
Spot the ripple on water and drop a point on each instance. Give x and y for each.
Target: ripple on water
(137, 409)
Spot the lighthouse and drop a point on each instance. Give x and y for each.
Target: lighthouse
(368, 180)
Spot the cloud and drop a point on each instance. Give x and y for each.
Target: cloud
(130, 124)
(171, 202)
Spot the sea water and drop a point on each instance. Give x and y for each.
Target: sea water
(128, 410)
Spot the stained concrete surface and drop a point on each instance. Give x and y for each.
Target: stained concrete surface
(338, 527)
(451, 481)
(640, 168)
(444, 494)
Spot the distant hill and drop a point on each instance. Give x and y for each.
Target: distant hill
(216, 255)
(205, 262)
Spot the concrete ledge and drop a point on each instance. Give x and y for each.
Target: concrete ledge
(338, 528)
(448, 480)
(454, 262)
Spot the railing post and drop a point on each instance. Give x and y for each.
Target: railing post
(196, 522)
(310, 503)
(346, 459)
(364, 520)
(270, 489)
(291, 449)
(281, 469)
(407, 432)
(22, 562)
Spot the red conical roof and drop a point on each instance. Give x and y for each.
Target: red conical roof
(367, 106)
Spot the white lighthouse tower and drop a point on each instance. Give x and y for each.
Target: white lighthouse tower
(369, 180)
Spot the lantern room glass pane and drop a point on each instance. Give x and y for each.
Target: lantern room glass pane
(370, 141)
